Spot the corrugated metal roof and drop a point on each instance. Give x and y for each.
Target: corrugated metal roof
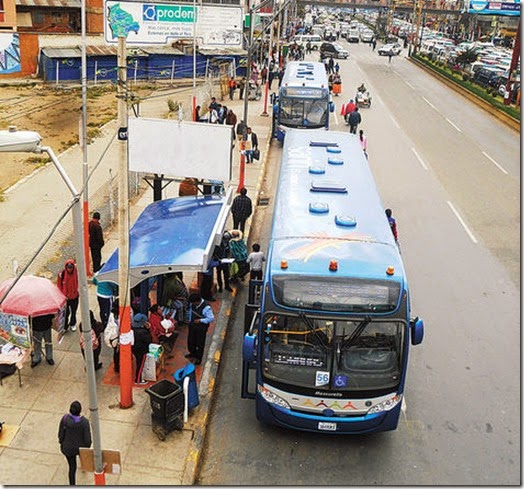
(101, 50)
(48, 3)
(62, 52)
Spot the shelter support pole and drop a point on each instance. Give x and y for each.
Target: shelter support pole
(242, 174)
(126, 363)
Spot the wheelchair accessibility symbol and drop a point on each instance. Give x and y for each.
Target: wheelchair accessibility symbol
(340, 381)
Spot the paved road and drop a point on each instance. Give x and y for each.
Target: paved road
(456, 214)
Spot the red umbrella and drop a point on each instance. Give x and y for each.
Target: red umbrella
(31, 296)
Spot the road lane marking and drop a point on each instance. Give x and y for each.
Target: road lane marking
(394, 121)
(494, 162)
(419, 159)
(454, 125)
(470, 234)
(409, 85)
(429, 103)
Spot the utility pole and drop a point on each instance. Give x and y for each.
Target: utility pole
(513, 67)
(126, 335)
(419, 4)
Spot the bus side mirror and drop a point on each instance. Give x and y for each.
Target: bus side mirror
(331, 107)
(417, 331)
(249, 347)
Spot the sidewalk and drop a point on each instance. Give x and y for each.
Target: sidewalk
(29, 450)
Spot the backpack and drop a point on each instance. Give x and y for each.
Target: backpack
(111, 332)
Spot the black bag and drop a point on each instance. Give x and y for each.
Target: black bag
(256, 154)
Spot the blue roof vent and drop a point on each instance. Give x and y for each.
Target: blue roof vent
(317, 170)
(333, 150)
(328, 186)
(335, 161)
(345, 220)
(318, 208)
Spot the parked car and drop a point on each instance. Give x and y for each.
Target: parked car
(366, 35)
(302, 39)
(333, 49)
(384, 50)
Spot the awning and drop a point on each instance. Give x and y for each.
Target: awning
(172, 235)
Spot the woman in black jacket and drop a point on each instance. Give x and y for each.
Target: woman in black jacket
(140, 346)
(73, 432)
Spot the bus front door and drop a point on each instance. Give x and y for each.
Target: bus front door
(249, 350)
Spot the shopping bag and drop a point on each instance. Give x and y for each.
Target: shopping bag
(256, 154)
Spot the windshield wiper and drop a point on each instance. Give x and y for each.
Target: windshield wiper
(351, 340)
(312, 328)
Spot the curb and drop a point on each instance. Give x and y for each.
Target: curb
(206, 391)
(501, 116)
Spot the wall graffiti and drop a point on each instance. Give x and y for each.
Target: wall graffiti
(10, 53)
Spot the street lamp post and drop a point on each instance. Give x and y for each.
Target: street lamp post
(29, 142)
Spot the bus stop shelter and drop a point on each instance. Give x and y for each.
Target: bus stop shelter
(172, 235)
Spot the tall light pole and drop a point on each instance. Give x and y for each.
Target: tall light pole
(29, 142)
(194, 104)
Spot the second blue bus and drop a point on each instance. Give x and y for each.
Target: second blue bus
(303, 100)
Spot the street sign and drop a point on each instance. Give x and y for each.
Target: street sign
(160, 23)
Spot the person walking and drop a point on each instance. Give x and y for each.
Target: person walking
(241, 209)
(221, 253)
(392, 224)
(67, 282)
(374, 43)
(41, 328)
(73, 432)
(96, 241)
(232, 85)
(263, 75)
(363, 142)
(141, 343)
(241, 130)
(348, 108)
(390, 54)
(255, 260)
(354, 120)
(238, 250)
(241, 87)
(251, 144)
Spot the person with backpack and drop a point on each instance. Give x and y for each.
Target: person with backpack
(74, 432)
(354, 120)
(67, 282)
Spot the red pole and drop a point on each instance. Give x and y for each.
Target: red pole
(513, 66)
(266, 93)
(126, 360)
(100, 479)
(241, 175)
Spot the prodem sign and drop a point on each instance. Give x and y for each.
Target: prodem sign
(160, 23)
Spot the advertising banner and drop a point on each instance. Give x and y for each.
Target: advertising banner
(482, 7)
(15, 329)
(161, 23)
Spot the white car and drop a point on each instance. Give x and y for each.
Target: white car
(395, 48)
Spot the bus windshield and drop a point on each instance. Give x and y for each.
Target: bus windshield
(331, 354)
(302, 112)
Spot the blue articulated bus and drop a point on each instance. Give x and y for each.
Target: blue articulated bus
(327, 337)
(303, 101)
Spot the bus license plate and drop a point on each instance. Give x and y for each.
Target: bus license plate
(327, 426)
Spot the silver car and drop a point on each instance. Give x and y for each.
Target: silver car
(395, 49)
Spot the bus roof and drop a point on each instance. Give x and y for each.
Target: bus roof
(308, 239)
(305, 73)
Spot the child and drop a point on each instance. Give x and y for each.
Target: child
(255, 260)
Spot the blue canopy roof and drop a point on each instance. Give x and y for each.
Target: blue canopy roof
(172, 235)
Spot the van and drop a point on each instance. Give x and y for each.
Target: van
(315, 40)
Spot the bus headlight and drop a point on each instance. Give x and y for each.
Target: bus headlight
(273, 398)
(387, 405)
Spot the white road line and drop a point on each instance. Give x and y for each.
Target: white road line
(454, 125)
(429, 103)
(335, 114)
(394, 121)
(470, 234)
(409, 85)
(494, 162)
(419, 159)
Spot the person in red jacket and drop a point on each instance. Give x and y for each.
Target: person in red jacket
(67, 282)
(350, 107)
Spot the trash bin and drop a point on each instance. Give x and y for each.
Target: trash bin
(192, 394)
(167, 407)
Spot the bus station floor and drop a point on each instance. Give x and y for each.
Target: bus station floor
(29, 449)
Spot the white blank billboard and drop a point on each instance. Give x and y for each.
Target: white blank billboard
(180, 149)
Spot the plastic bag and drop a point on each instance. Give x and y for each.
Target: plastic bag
(111, 332)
